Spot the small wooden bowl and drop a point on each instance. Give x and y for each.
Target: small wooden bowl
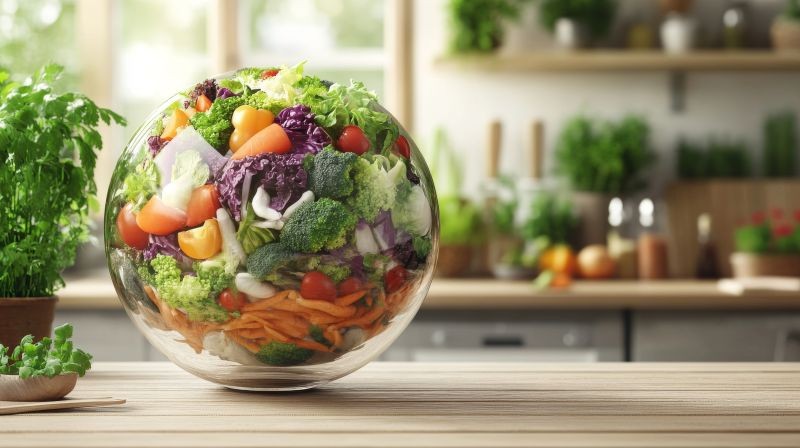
(40, 388)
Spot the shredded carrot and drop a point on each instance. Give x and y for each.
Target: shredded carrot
(363, 320)
(334, 336)
(312, 345)
(266, 303)
(350, 298)
(243, 342)
(328, 307)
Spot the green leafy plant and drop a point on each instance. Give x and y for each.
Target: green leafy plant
(460, 220)
(48, 144)
(595, 15)
(477, 25)
(775, 235)
(551, 218)
(780, 144)
(718, 159)
(608, 157)
(48, 357)
(792, 10)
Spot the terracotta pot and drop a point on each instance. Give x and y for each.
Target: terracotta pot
(25, 315)
(765, 265)
(592, 211)
(454, 261)
(785, 34)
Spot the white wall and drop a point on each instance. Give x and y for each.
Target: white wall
(463, 102)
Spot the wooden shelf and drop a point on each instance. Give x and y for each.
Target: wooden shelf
(487, 294)
(622, 60)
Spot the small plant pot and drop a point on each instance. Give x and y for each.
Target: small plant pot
(785, 34)
(592, 211)
(25, 315)
(40, 388)
(678, 34)
(765, 265)
(454, 260)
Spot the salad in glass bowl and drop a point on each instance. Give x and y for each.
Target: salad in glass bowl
(267, 229)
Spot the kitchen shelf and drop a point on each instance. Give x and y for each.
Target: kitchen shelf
(488, 294)
(625, 60)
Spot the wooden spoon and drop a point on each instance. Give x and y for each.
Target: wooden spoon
(40, 388)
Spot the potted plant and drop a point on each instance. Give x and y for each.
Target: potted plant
(767, 247)
(602, 161)
(577, 23)
(476, 26)
(48, 144)
(42, 371)
(461, 227)
(786, 28)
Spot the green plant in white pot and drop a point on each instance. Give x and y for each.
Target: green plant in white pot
(786, 28)
(48, 145)
(577, 23)
(602, 161)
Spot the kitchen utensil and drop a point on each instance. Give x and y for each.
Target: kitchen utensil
(22, 407)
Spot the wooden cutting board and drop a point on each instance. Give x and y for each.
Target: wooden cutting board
(22, 407)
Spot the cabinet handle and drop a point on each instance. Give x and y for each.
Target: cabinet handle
(502, 341)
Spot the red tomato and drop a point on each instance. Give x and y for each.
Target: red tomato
(317, 286)
(130, 232)
(269, 73)
(395, 278)
(350, 285)
(232, 301)
(402, 147)
(353, 140)
(159, 218)
(203, 205)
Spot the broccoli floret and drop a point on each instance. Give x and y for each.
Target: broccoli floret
(325, 264)
(422, 246)
(214, 125)
(315, 332)
(375, 187)
(194, 295)
(268, 258)
(260, 100)
(283, 354)
(330, 173)
(314, 226)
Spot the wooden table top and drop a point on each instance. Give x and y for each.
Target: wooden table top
(405, 404)
(489, 294)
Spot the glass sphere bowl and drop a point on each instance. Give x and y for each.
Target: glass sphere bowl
(189, 268)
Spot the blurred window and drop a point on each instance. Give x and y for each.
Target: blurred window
(35, 32)
(340, 39)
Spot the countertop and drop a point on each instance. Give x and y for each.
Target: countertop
(481, 294)
(475, 405)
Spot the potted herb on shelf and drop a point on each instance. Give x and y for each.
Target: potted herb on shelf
(786, 28)
(461, 227)
(577, 23)
(48, 144)
(767, 247)
(780, 145)
(476, 26)
(602, 161)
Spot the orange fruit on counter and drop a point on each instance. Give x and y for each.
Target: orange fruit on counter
(559, 259)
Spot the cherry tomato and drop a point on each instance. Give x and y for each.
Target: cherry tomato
(269, 73)
(232, 301)
(202, 242)
(129, 231)
(402, 147)
(317, 286)
(350, 285)
(395, 278)
(158, 218)
(175, 122)
(353, 140)
(251, 120)
(203, 204)
(202, 104)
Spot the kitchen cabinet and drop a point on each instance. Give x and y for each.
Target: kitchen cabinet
(715, 336)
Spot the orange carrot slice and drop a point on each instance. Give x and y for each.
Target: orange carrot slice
(272, 139)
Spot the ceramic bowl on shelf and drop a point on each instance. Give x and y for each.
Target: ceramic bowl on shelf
(268, 230)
